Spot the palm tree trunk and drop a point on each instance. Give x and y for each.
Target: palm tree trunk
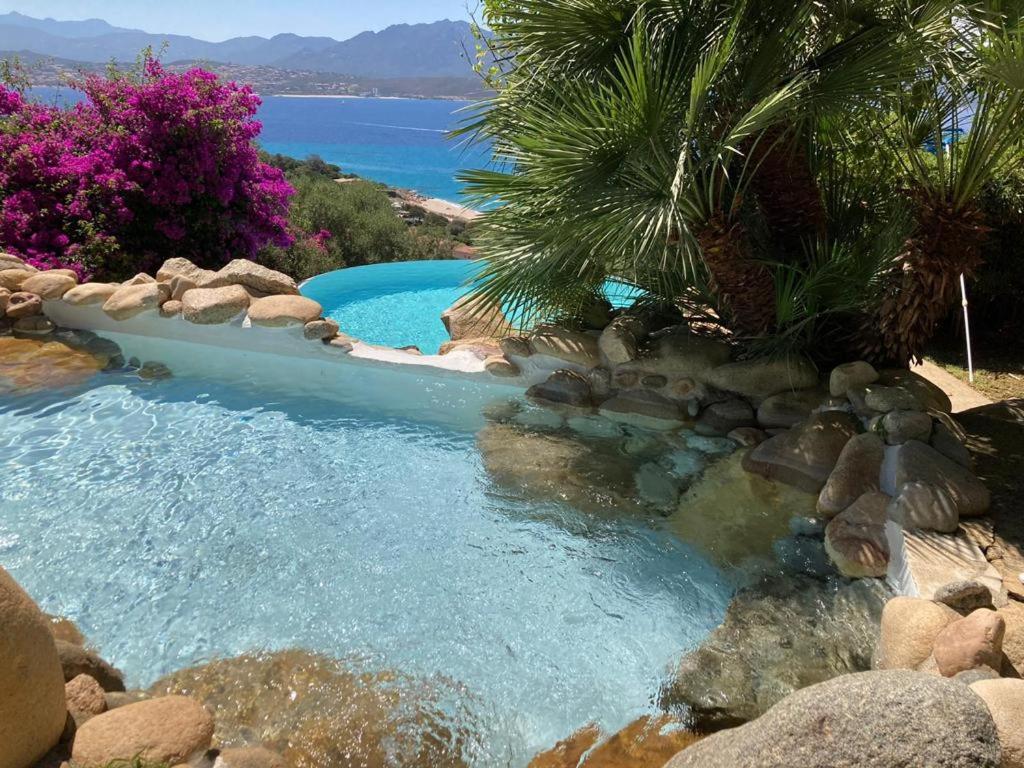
(745, 286)
(787, 191)
(922, 285)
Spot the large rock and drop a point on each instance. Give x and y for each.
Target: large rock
(930, 396)
(10, 261)
(969, 643)
(49, 285)
(474, 318)
(620, 341)
(721, 418)
(901, 426)
(857, 471)
(1005, 702)
(179, 267)
(13, 279)
(214, 306)
(919, 506)
(884, 399)
(76, 660)
(918, 462)
(32, 704)
(851, 375)
(251, 275)
(563, 388)
(855, 539)
(804, 456)
(647, 410)
(868, 720)
(777, 637)
(909, 628)
(318, 330)
(569, 346)
(283, 311)
(683, 354)
(787, 409)
(319, 712)
(170, 730)
(88, 294)
(131, 300)
(758, 379)
(85, 698)
(21, 304)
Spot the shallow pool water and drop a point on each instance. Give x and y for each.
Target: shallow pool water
(182, 520)
(400, 304)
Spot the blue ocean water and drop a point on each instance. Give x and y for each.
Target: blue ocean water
(400, 142)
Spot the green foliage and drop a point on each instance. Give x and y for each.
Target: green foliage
(314, 165)
(348, 225)
(637, 139)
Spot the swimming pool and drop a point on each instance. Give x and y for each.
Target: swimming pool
(400, 304)
(205, 516)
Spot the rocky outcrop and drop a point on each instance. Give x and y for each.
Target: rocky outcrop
(21, 305)
(32, 704)
(169, 730)
(805, 456)
(283, 311)
(778, 637)
(214, 306)
(179, 267)
(868, 720)
(563, 388)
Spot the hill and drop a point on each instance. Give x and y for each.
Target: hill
(403, 51)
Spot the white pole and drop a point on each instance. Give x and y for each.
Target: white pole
(967, 329)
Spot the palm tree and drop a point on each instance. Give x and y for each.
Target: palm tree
(969, 110)
(631, 149)
(699, 149)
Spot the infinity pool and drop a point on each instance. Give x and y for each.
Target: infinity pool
(193, 518)
(400, 304)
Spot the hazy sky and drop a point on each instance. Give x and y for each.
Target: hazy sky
(220, 19)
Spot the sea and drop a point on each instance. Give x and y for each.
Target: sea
(403, 143)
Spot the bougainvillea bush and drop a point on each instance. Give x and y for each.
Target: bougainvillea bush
(142, 169)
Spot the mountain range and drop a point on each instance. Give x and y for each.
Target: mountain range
(436, 50)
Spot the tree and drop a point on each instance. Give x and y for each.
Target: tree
(710, 151)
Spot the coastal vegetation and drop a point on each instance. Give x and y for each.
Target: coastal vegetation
(811, 176)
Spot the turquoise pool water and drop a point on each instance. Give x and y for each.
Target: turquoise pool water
(400, 304)
(181, 520)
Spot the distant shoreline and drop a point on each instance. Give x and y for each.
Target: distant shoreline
(382, 98)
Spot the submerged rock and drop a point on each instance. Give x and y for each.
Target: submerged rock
(649, 741)
(733, 515)
(315, 711)
(591, 476)
(30, 364)
(779, 636)
(870, 720)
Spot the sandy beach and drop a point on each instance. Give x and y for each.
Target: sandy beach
(445, 208)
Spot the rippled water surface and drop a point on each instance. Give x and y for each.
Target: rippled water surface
(182, 520)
